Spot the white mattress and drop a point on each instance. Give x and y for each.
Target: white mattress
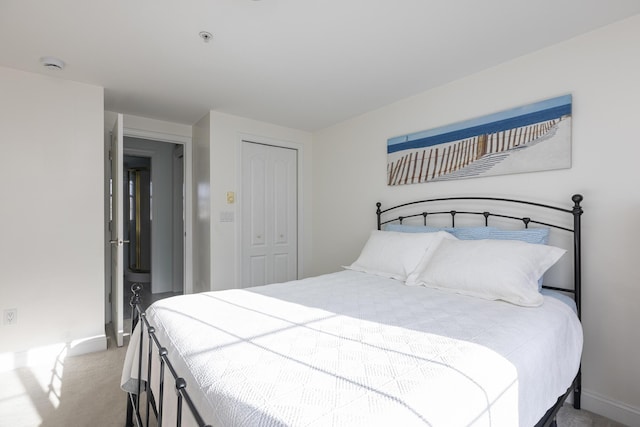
(352, 349)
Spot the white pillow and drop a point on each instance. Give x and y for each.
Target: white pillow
(505, 270)
(394, 254)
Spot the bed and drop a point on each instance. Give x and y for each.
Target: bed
(368, 347)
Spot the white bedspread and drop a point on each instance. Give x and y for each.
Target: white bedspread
(352, 349)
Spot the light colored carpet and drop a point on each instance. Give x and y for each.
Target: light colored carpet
(569, 417)
(66, 391)
(84, 391)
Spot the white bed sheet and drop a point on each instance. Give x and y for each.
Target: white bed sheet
(353, 349)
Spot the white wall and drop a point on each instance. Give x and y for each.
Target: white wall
(51, 173)
(227, 132)
(202, 205)
(601, 70)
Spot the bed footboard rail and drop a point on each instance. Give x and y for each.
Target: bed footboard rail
(153, 405)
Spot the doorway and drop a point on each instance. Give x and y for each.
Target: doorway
(137, 191)
(153, 212)
(170, 171)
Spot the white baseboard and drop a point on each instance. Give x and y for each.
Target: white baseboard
(88, 345)
(51, 353)
(617, 411)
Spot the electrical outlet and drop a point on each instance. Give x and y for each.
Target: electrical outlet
(10, 316)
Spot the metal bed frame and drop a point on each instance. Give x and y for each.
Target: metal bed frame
(549, 418)
(180, 385)
(155, 407)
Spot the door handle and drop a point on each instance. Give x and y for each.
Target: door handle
(118, 242)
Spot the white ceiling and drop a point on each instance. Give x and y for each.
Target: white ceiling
(305, 64)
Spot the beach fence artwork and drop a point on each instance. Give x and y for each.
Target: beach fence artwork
(530, 138)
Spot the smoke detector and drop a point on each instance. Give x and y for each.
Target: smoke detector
(51, 63)
(205, 36)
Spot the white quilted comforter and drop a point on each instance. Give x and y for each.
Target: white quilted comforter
(352, 349)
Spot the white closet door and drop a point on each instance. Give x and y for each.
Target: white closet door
(269, 214)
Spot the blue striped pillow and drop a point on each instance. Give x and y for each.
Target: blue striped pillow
(462, 233)
(530, 235)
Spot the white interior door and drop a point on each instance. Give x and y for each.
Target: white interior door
(269, 214)
(117, 240)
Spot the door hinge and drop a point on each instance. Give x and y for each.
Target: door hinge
(110, 156)
(109, 297)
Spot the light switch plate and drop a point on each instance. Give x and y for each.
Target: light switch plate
(226, 216)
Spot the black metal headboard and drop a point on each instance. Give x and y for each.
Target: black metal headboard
(575, 211)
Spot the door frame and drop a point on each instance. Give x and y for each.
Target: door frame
(246, 137)
(187, 156)
(186, 142)
(178, 186)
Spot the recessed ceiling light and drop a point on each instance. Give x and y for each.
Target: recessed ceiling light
(51, 63)
(205, 36)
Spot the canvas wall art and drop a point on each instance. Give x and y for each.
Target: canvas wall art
(534, 137)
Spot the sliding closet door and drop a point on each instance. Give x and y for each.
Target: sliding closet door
(269, 214)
